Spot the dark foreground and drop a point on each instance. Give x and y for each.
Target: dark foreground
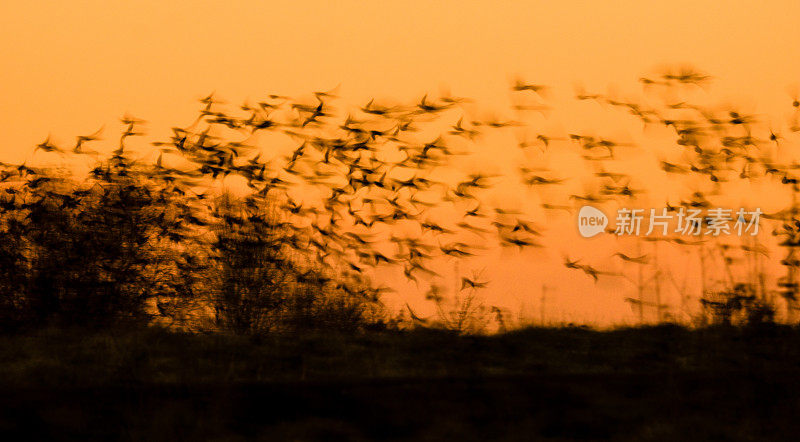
(663, 383)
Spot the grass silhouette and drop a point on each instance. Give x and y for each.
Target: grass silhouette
(560, 383)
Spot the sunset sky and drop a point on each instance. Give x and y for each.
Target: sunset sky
(69, 68)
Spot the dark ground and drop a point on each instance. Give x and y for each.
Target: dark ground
(660, 383)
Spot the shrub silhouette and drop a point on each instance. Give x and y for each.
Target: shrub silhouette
(88, 252)
(264, 285)
(252, 282)
(740, 305)
(127, 246)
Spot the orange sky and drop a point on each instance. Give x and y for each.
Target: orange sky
(70, 67)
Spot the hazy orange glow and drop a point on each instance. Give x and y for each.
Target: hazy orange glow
(71, 67)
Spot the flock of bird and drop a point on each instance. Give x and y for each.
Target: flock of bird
(383, 184)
